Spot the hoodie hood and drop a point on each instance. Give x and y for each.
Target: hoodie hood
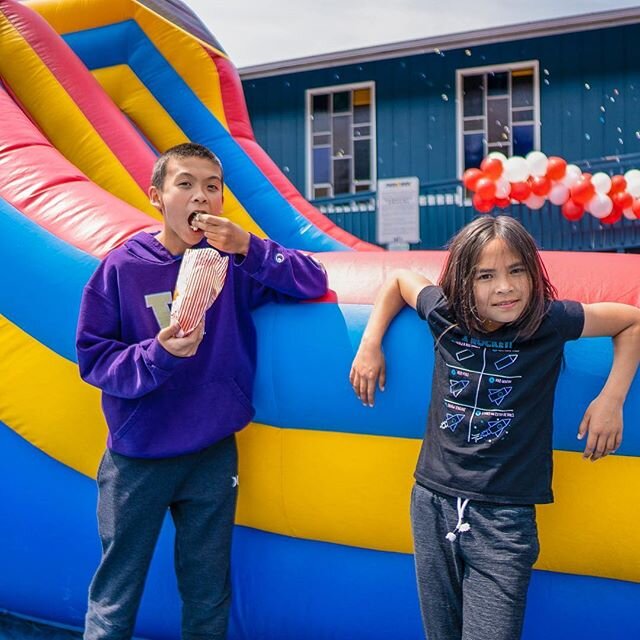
(146, 247)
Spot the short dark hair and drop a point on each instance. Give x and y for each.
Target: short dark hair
(458, 273)
(184, 150)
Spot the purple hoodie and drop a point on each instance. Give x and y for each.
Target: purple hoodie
(158, 405)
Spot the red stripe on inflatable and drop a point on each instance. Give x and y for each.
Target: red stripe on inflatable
(240, 128)
(116, 131)
(38, 181)
(354, 278)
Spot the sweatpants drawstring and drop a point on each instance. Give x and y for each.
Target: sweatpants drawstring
(461, 527)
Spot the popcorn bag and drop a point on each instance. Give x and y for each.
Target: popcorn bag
(200, 280)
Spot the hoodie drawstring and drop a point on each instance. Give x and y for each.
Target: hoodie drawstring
(461, 527)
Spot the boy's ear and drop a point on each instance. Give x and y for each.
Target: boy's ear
(154, 198)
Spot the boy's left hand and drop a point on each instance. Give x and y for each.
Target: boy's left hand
(223, 234)
(603, 422)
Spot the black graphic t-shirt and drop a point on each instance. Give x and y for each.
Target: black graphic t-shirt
(489, 430)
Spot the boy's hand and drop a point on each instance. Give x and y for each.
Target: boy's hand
(181, 347)
(603, 422)
(223, 234)
(368, 367)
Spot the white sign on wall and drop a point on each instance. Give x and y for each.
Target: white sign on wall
(398, 211)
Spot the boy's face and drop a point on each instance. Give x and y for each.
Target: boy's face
(192, 185)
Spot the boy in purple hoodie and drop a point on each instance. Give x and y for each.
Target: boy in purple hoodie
(172, 404)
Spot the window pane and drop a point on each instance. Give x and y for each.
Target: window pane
(320, 113)
(473, 150)
(522, 116)
(362, 113)
(498, 120)
(475, 124)
(321, 192)
(366, 186)
(321, 138)
(341, 175)
(342, 101)
(361, 131)
(342, 135)
(362, 159)
(522, 140)
(321, 159)
(498, 83)
(473, 103)
(522, 88)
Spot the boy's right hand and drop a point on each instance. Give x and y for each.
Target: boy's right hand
(367, 369)
(181, 347)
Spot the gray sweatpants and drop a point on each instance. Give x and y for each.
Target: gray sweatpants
(473, 588)
(134, 494)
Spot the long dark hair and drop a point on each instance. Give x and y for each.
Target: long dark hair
(458, 273)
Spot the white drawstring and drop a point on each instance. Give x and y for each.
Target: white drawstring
(461, 526)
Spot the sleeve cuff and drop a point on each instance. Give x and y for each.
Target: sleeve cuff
(160, 358)
(253, 261)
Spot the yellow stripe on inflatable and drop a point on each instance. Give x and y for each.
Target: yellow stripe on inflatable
(133, 98)
(43, 399)
(66, 17)
(183, 51)
(355, 490)
(62, 120)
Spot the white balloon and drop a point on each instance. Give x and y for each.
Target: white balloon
(632, 175)
(600, 206)
(601, 181)
(571, 175)
(516, 169)
(500, 156)
(558, 194)
(628, 214)
(503, 187)
(633, 186)
(537, 163)
(534, 201)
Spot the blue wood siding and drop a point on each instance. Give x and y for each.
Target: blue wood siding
(589, 89)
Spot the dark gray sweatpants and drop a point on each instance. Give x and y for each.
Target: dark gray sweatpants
(134, 494)
(474, 588)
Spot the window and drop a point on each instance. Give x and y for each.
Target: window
(498, 110)
(340, 140)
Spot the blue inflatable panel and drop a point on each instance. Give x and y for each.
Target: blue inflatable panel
(42, 302)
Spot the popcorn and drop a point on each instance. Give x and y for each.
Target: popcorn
(200, 280)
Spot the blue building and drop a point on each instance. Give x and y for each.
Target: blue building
(430, 108)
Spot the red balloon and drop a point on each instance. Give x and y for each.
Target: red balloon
(622, 200)
(618, 183)
(486, 188)
(483, 206)
(583, 190)
(614, 216)
(470, 178)
(540, 185)
(492, 167)
(572, 211)
(556, 168)
(520, 190)
(635, 207)
(503, 203)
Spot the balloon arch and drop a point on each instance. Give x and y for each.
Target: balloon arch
(537, 178)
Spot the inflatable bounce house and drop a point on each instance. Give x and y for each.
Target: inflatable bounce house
(90, 91)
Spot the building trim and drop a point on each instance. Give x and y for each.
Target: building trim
(506, 33)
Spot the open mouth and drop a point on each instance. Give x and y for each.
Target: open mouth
(193, 220)
(506, 304)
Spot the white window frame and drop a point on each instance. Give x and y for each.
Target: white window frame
(498, 68)
(309, 94)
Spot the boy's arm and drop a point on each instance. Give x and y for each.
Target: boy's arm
(368, 366)
(277, 273)
(120, 369)
(603, 418)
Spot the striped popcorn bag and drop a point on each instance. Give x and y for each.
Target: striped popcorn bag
(200, 280)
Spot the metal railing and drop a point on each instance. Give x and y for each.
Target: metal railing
(444, 210)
